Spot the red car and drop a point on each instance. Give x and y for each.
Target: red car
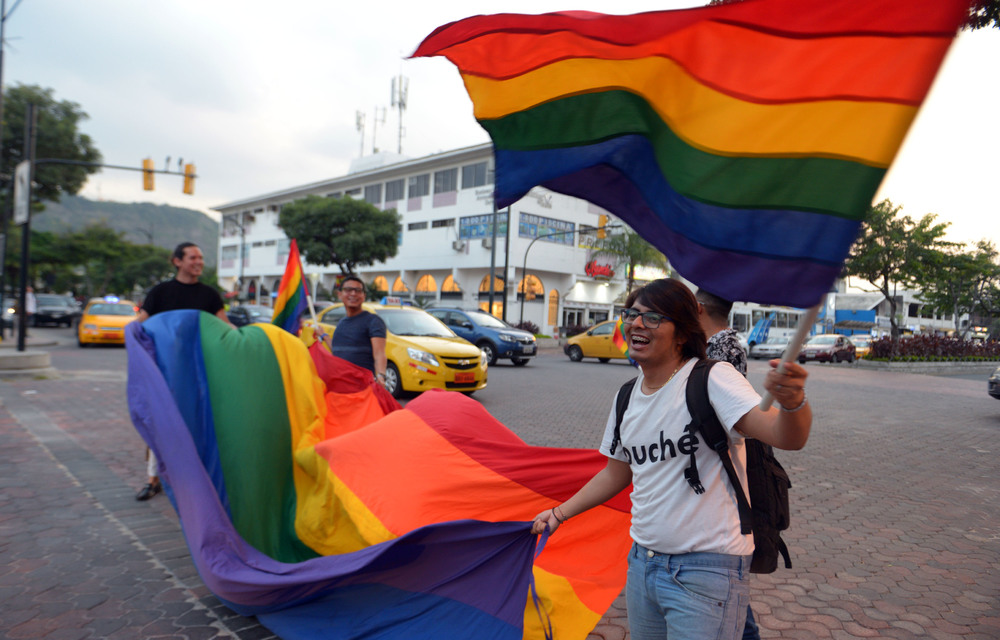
(828, 347)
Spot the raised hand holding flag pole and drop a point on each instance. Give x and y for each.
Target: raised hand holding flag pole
(745, 140)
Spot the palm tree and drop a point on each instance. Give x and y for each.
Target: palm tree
(629, 249)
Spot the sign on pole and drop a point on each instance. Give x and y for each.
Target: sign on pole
(22, 192)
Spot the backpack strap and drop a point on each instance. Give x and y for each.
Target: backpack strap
(705, 420)
(621, 404)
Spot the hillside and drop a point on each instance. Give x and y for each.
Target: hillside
(142, 222)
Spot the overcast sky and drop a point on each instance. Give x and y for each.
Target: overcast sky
(262, 96)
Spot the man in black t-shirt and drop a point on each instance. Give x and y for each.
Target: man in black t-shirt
(183, 292)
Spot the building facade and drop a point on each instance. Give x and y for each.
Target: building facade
(539, 249)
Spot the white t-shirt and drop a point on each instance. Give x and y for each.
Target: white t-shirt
(667, 515)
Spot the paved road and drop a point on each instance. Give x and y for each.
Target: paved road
(895, 534)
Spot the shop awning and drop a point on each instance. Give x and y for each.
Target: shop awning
(854, 324)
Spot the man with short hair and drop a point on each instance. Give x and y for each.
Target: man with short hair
(360, 335)
(723, 342)
(184, 291)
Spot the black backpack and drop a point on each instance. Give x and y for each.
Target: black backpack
(766, 477)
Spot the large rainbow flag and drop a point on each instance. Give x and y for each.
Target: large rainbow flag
(310, 499)
(293, 295)
(745, 140)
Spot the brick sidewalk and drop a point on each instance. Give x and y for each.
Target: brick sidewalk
(896, 514)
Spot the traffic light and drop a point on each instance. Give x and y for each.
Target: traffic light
(189, 179)
(602, 222)
(147, 174)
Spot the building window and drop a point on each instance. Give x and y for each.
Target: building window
(450, 286)
(335, 194)
(426, 284)
(419, 185)
(353, 193)
(474, 175)
(373, 194)
(530, 287)
(381, 284)
(399, 286)
(445, 181)
(484, 285)
(446, 222)
(416, 226)
(395, 190)
(553, 307)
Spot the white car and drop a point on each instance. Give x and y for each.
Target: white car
(773, 348)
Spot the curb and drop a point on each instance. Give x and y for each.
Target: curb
(986, 367)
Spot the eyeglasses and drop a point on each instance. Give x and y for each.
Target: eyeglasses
(351, 289)
(649, 318)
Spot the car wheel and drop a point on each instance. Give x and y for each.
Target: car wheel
(575, 353)
(605, 360)
(490, 351)
(802, 360)
(519, 362)
(392, 382)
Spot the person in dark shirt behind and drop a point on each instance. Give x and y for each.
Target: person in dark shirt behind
(184, 291)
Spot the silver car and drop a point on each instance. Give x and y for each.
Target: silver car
(773, 348)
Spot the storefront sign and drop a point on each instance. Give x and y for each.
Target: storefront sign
(595, 270)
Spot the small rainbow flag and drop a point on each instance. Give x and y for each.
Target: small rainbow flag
(292, 294)
(619, 337)
(743, 140)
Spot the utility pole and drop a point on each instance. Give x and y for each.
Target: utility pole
(30, 125)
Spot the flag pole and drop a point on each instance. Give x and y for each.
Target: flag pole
(791, 353)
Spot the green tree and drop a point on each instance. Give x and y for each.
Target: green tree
(58, 136)
(342, 231)
(984, 13)
(889, 251)
(628, 249)
(948, 281)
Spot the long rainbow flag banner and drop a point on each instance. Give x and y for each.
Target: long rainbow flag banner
(745, 140)
(310, 499)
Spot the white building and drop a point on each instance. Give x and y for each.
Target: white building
(446, 246)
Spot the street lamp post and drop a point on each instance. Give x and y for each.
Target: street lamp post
(524, 267)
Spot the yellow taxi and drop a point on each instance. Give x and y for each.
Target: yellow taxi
(104, 319)
(596, 342)
(422, 352)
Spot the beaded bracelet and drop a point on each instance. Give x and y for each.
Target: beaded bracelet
(796, 408)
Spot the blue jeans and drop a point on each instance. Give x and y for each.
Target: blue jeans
(689, 596)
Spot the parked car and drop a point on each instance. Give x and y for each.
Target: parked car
(8, 311)
(828, 347)
(773, 347)
(862, 345)
(993, 384)
(54, 309)
(422, 352)
(104, 320)
(495, 337)
(242, 315)
(596, 342)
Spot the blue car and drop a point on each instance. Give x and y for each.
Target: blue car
(493, 336)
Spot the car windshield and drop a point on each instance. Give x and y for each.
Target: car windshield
(53, 301)
(824, 340)
(260, 312)
(486, 320)
(103, 309)
(407, 322)
(861, 341)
